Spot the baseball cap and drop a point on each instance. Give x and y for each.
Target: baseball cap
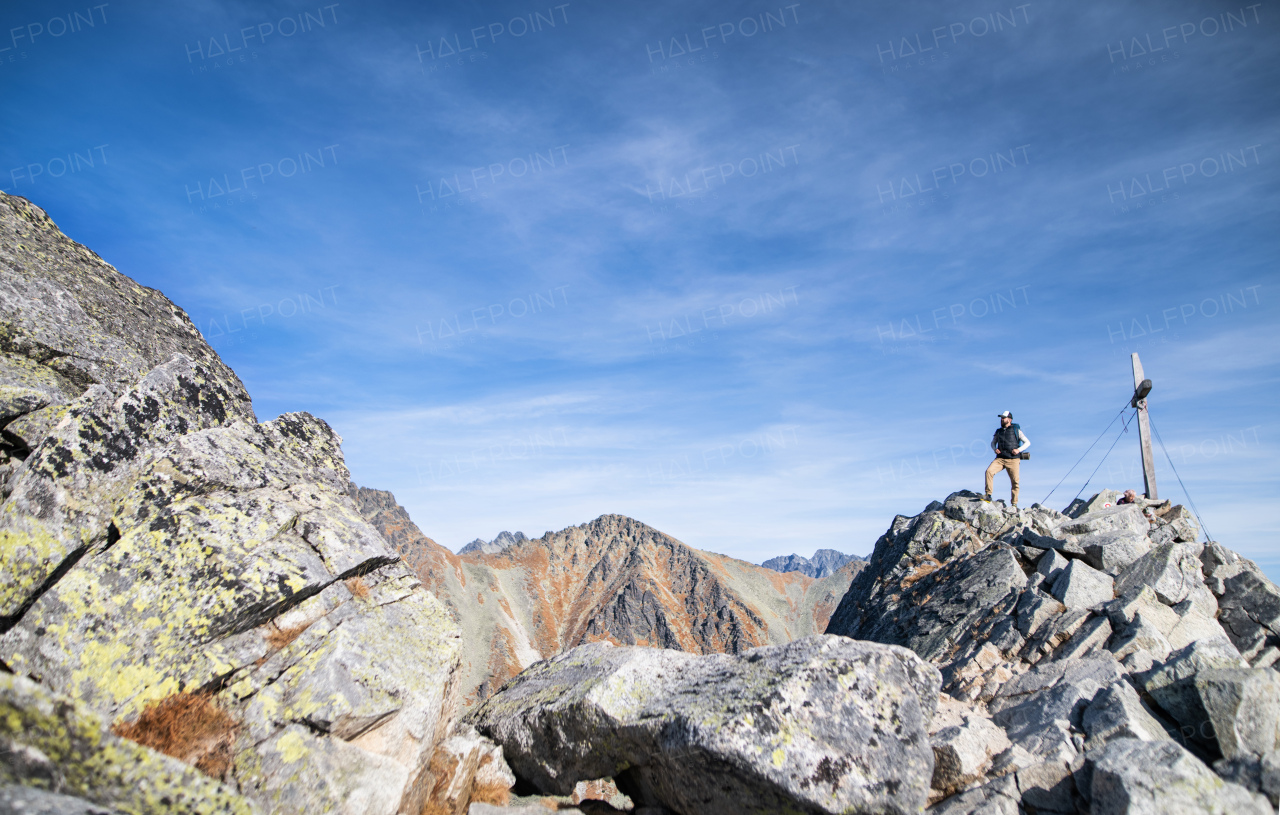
(1006, 413)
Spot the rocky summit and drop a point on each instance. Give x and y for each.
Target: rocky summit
(200, 613)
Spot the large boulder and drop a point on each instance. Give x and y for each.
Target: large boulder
(1118, 712)
(1126, 518)
(1171, 570)
(820, 725)
(1079, 586)
(1135, 777)
(964, 752)
(1173, 684)
(1248, 603)
(1243, 707)
(1042, 708)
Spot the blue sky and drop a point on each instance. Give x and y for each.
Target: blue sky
(760, 275)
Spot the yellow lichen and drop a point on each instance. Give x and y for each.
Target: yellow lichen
(291, 747)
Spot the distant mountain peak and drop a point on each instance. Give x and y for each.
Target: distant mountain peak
(823, 563)
(505, 540)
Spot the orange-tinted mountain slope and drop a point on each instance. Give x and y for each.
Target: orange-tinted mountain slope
(611, 579)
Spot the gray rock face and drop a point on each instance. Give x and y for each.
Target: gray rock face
(1051, 564)
(1127, 518)
(1103, 500)
(1157, 778)
(999, 797)
(1259, 774)
(1173, 684)
(69, 321)
(823, 563)
(1111, 552)
(1243, 707)
(968, 598)
(963, 753)
(1248, 603)
(1117, 712)
(1141, 635)
(35, 801)
(819, 725)
(1079, 586)
(1039, 709)
(1171, 570)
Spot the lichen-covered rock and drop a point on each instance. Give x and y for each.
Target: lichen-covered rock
(1133, 777)
(201, 555)
(51, 743)
(820, 725)
(69, 320)
(62, 498)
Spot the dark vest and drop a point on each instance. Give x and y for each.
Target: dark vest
(1006, 439)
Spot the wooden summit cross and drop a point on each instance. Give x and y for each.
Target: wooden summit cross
(1141, 387)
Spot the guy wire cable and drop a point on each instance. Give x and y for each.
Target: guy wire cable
(1123, 429)
(1086, 452)
(1168, 458)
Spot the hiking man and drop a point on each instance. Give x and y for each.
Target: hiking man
(1008, 443)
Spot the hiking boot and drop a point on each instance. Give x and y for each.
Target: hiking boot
(986, 498)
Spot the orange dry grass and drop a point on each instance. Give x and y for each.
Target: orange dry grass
(188, 726)
(491, 793)
(278, 638)
(925, 568)
(357, 588)
(442, 769)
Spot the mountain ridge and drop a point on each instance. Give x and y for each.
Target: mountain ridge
(823, 562)
(611, 579)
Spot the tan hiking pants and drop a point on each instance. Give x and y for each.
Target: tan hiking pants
(1011, 466)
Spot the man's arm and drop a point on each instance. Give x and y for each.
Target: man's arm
(1026, 442)
(994, 448)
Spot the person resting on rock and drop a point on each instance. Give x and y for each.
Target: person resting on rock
(1130, 497)
(1008, 443)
